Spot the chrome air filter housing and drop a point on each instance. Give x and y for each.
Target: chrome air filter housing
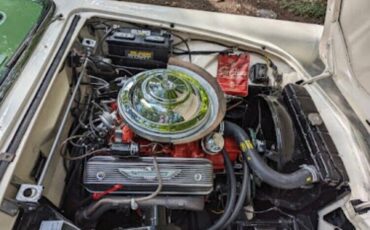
(173, 105)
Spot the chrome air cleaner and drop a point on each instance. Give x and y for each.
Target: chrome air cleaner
(174, 105)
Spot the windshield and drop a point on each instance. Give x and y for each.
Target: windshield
(18, 19)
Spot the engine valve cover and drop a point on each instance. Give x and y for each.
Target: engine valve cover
(188, 176)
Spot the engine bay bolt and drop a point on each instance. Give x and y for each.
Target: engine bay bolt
(213, 143)
(315, 119)
(100, 175)
(198, 177)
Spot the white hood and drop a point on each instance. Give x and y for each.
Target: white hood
(345, 49)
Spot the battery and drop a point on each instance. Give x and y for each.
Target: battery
(143, 48)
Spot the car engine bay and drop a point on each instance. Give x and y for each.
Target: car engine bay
(172, 131)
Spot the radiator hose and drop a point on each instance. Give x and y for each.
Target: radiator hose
(306, 175)
(245, 194)
(231, 196)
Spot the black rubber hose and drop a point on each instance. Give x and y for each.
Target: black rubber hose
(245, 193)
(92, 213)
(231, 196)
(303, 176)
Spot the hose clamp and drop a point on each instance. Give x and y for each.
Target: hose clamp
(313, 172)
(134, 205)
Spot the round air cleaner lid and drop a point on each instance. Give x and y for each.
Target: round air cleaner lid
(171, 105)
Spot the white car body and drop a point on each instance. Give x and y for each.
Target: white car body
(298, 44)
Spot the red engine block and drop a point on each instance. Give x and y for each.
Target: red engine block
(192, 150)
(188, 150)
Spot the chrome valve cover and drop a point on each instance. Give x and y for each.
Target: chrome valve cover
(188, 176)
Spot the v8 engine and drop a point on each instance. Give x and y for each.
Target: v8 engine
(170, 145)
(159, 109)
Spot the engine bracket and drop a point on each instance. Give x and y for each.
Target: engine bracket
(29, 193)
(7, 157)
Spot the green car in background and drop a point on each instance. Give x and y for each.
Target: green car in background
(19, 22)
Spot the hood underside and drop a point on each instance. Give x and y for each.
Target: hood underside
(345, 49)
